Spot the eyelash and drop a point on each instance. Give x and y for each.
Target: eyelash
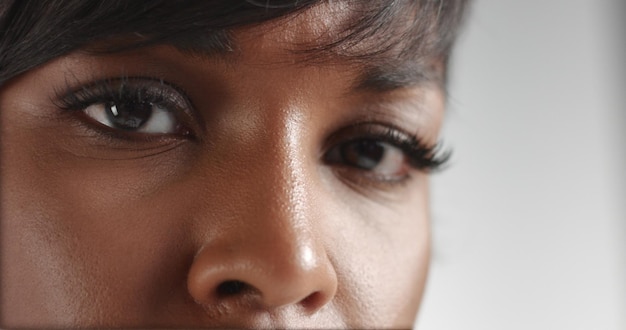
(119, 90)
(103, 91)
(419, 155)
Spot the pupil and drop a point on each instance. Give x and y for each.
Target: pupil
(129, 115)
(364, 154)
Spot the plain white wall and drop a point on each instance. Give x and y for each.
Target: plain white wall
(529, 221)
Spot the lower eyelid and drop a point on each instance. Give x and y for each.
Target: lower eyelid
(373, 187)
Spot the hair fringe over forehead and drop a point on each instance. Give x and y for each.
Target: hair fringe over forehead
(33, 32)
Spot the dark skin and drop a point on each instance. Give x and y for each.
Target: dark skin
(236, 219)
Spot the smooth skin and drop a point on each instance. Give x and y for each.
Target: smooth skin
(98, 230)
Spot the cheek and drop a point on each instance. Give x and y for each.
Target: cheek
(382, 255)
(37, 263)
(82, 239)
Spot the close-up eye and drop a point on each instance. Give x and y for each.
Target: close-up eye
(382, 153)
(381, 158)
(132, 105)
(138, 116)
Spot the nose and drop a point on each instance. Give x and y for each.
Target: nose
(272, 253)
(266, 271)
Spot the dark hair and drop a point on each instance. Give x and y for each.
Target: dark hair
(33, 32)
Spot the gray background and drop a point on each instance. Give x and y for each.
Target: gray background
(529, 221)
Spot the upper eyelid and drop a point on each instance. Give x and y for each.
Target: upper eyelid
(387, 132)
(78, 96)
(427, 155)
(73, 94)
(367, 126)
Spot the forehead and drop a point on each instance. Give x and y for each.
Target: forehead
(331, 30)
(388, 53)
(314, 30)
(376, 32)
(304, 39)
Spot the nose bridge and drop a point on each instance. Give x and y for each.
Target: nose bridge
(278, 172)
(283, 166)
(284, 174)
(273, 245)
(284, 208)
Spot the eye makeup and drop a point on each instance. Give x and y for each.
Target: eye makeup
(147, 109)
(372, 147)
(124, 105)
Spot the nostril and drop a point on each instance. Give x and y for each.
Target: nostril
(313, 299)
(230, 288)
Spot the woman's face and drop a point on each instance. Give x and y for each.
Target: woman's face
(161, 188)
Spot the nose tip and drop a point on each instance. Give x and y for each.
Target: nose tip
(269, 277)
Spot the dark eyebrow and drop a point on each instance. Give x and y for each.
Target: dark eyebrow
(384, 78)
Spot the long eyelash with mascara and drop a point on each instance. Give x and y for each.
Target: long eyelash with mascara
(421, 156)
(119, 90)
